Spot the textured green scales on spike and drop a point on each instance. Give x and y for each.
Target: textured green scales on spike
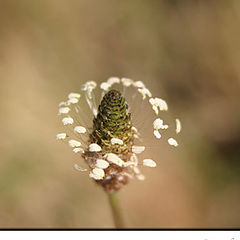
(112, 121)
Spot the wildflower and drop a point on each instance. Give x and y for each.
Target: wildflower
(110, 143)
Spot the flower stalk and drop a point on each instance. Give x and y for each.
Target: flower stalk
(116, 211)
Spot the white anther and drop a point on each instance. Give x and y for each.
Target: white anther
(94, 148)
(74, 143)
(61, 136)
(172, 142)
(149, 163)
(138, 149)
(116, 141)
(67, 121)
(80, 129)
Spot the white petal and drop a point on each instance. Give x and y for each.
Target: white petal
(74, 95)
(72, 101)
(94, 148)
(113, 80)
(67, 120)
(77, 150)
(113, 158)
(105, 86)
(61, 136)
(178, 126)
(139, 84)
(100, 163)
(149, 163)
(81, 169)
(116, 141)
(127, 82)
(138, 149)
(74, 143)
(172, 142)
(157, 134)
(80, 129)
(63, 110)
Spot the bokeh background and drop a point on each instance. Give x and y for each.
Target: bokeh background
(187, 52)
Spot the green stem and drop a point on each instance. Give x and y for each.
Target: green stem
(116, 212)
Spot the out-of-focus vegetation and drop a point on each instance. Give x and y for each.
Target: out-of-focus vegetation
(185, 51)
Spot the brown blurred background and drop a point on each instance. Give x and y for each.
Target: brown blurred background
(185, 51)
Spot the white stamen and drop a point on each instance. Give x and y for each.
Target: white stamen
(162, 104)
(100, 163)
(63, 110)
(140, 177)
(145, 92)
(72, 101)
(113, 80)
(134, 130)
(77, 150)
(78, 168)
(61, 136)
(62, 104)
(155, 109)
(178, 126)
(136, 170)
(74, 95)
(94, 148)
(129, 163)
(138, 149)
(149, 163)
(80, 129)
(105, 86)
(113, 158)
(172, 142)
(97, 174)
(116, 141)
(88, 87)
(134, 159)
(158, 124)
(127, 82)
(157, 134)
(67, 120)
(74, 143)
(139, 84)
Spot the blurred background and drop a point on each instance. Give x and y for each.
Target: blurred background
(186, 52)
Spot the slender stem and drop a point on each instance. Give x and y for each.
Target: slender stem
(116, 212)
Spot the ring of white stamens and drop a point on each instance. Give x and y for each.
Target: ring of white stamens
(61, 136)
(67, 121)
(63, 110)
(80, 129)
(149, 163)
(74, 143)
(138, 149)
(94, 148)
(172, 142)
(116, 141)
(113, 158)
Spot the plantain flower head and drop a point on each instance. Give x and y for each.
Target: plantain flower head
(107, 137)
